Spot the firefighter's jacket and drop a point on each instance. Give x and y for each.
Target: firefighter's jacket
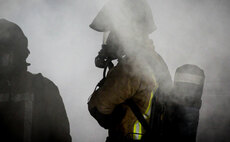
(132, 78)
(32, 110)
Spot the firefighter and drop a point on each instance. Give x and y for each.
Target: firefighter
(139, 73)
(31, 108)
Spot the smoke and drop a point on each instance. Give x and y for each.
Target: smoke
(196, 32)
(63, 48)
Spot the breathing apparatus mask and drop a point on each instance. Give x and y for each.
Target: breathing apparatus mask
(111, 50)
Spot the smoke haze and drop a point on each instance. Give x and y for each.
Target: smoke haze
(63, 48)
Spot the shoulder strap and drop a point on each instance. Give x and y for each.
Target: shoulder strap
(135, 109)
(155, 110)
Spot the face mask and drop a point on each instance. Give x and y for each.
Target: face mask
(6, 62)
(109, 51)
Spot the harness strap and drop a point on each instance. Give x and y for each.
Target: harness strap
(109, 65)
(135, 109)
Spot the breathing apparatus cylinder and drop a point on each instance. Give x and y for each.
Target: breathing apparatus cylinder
(188, 89)
(188, 85)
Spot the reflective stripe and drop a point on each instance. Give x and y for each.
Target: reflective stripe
(148, 110)
(28, 98)
(189, 78)
(137, 129)
(16, 98)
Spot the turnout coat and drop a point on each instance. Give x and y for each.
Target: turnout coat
(136, 78)
(32, 110)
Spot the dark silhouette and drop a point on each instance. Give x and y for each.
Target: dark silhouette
(31, 108)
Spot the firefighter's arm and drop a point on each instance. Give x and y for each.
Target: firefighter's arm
(60, 131)
(117, 88)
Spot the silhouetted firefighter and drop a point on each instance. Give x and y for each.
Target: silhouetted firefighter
(123, 100)
(31, 109)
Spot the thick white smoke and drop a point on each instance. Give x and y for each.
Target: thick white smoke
(63, 48)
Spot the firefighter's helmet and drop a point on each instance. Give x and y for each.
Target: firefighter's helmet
(13, 48)
(124, 15)
(13, 38)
